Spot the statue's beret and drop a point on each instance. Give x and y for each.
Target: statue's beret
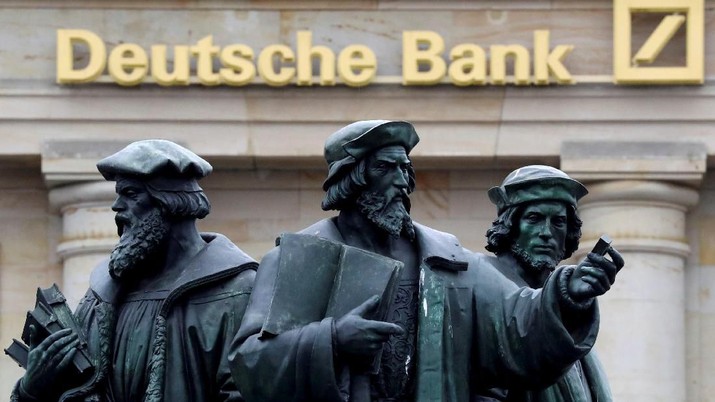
(161, 162)
(536, 183)
(355, 141)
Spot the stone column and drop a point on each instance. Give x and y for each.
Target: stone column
(83, 199)
(88, 232)
(639, 195)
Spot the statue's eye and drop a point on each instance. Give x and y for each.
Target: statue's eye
(130, 193)
(532, 218)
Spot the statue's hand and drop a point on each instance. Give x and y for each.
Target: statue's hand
(47, 360)
(594, 275)
(358, 336)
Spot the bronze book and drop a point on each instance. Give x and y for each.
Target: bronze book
(363, 274)
(319, 278)
(18, 351)
(50, 315)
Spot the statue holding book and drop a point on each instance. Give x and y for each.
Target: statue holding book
(436, 323)
(160, 314)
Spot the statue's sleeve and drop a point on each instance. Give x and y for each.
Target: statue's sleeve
(227, 389)
(522, 337)
(297, 365)
(209, 319)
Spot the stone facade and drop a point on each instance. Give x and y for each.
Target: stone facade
(645, 152)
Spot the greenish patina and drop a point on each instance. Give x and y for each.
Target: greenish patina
(161, 312)
(537, 227)
(458, 329)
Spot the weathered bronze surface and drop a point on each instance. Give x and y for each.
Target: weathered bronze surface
(536, 228)
(457, 329)
(161, 312)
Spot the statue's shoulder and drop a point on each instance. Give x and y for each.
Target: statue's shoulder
(487, 270)
(440, 249)
(223, 253)
(482, 263)
(230, 287)
(481, 259)
(102, 285)
(434, 235)
(325, 228)
(228, 269)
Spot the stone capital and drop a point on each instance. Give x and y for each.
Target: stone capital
(98, 193)
(676, 162)
(75, 161)
(633, 192)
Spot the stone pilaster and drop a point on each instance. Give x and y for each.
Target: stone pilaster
(639, 194)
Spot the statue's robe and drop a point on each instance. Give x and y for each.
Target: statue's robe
(585, 381)
(476, 330)
(166, 345)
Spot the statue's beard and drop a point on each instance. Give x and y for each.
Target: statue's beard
(389, 214)
(532, 265)
(138, 246)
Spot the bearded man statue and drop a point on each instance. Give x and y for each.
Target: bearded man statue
(455, 327)
(161, 312)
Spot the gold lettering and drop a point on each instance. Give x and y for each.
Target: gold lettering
(306, 52)
(265, 65)
(159, 69)
(66, 39)
(128, 64)
(357, 65)
(422, 50)
(546, 62)
(238, 60)
(205, 52)
(469, 65)
(499, 53)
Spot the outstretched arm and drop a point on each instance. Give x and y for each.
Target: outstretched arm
(522, 338)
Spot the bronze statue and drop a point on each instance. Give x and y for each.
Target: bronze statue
(455, 327)
(537, 227)
(161, 312)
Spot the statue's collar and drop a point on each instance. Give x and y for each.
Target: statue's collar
(439, 249)
(217, 259)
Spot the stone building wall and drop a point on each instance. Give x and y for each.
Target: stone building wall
(645, 152)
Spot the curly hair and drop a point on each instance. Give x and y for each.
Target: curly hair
(500, 236)
(181, 204)
(349, 187)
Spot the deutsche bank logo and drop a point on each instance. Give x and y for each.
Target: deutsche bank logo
(631, 60)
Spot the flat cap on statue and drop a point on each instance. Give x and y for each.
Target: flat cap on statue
(536, 183)
(164, 164)
(353, 142)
